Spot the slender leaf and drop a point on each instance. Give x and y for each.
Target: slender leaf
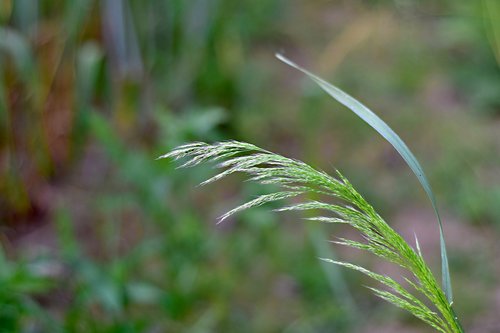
(385, 131)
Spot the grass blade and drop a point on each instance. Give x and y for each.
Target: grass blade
(385, 131)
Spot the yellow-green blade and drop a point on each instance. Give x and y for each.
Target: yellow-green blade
(383, 129)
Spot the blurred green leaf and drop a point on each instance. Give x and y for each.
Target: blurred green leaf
(18, 49)
(144, 293)
(492, 20)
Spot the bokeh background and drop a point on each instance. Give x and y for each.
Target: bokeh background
(99, 236)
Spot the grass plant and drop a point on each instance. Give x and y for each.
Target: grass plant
(423, 298)
(98, 236)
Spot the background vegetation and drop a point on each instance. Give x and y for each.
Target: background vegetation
(98, 236)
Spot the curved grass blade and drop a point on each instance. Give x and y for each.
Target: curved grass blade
(385, 131)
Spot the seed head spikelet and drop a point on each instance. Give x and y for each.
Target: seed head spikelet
(295, 178)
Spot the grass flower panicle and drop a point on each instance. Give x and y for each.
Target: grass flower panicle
(296, 178)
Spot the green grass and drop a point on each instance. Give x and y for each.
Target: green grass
(91, 92)
(296, 178)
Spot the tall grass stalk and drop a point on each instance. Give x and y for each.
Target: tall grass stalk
(423, 297)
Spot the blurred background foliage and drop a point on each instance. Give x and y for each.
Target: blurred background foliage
(98, 236)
